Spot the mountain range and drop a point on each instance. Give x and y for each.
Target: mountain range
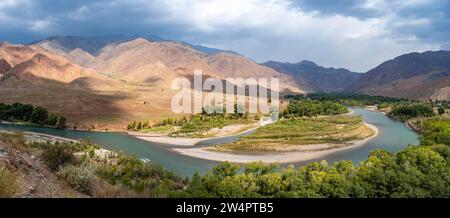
(420, 76)
(104, 82)
(316, 78)
(110, 80)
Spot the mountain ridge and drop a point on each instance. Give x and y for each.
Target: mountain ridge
(389, 77)
(92, 44)
(317, 78)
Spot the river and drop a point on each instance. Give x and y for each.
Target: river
(393, 136)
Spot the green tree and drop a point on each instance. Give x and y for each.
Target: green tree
(441, 111)
(39, 115)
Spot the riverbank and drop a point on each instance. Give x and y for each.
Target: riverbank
(309, 152)
(227, 131)
(34, 137)
(41, 137)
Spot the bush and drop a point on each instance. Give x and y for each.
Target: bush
(134, 174)
(101, 189)
(78, 177)
(10, 183)
(15, 140)
(58, 155)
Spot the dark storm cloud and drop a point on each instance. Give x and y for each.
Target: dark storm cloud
(344, 7)
(347, 33)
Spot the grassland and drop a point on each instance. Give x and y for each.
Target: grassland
(297, 133)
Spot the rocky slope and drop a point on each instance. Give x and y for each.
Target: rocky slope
(32, 178)
(93, 44)
(4, 66)
(115, 85)
(158, 62)
(416, 75)
(316, 78)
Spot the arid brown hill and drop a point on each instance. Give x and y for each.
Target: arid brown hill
(316, 78)
(419, 76)
(4, 66)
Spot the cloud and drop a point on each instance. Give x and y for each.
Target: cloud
(349, 33)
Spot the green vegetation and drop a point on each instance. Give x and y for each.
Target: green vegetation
(28, 113)
(397, 108)
(410, 111)
(58, 155)
(349, 99)
(200, 123)
(311, 108)
(301, 126)
(147, 178)
(441, 111)
(78, 177)
(415, 172)
(418, 171)
(114, 175)
(10, 182)
(195, 125)
(286, 134)
(434, 131)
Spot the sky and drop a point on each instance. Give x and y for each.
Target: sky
(354, 34)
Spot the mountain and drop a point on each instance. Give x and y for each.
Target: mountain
(315, 77)
(34, 62)
(159, 62)
(15, 54)
(45, 79)
(208, 50)
(113, 85)
(89, 44)
(143, 61)
(415, 75)
(4, 66)
(93, 44)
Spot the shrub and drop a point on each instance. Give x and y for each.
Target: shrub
(99, 188)
(10, 182)
(78, 177)
(57, 155)
(15, 140)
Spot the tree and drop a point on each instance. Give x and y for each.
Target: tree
(39, 115)
(61, 122)
(145, 125)
(441, 111)
(51, 120)
(26, 112)
(225, 169)
(131, 126)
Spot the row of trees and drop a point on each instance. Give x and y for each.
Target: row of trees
(310, 108)
(208, 114)
(409, 111)
(28, 113)
(139, 125)
(348, 99)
